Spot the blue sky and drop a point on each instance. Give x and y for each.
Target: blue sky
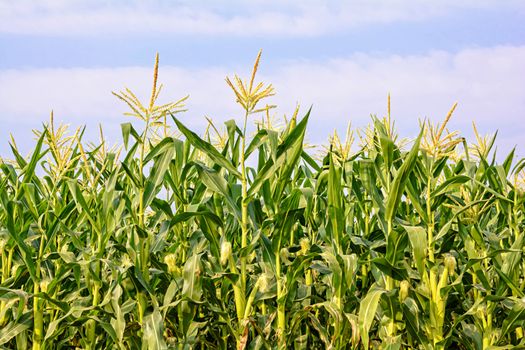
(341, 57)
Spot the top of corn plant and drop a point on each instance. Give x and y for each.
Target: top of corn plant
(437, 140)
(249, 95)
(152, 114)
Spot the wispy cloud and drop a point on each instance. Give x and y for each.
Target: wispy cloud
(487, 82)
(238, 18)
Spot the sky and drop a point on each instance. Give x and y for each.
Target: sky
(342, 58)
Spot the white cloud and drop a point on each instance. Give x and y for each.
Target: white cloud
(239, 18)
(487, 83)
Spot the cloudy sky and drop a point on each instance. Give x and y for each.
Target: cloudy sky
(342, 57)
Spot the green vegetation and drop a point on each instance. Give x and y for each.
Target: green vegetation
(245, 240)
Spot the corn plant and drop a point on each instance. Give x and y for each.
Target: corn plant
(243, 238)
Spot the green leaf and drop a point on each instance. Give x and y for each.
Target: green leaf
(450, 184)
(310, 161)
(387, 151)
(288, 153)
(82, 205)
(367, 176)
(335, 206)
(215, 182)
(15, 327)
(515, 318)
(131, 175)
(26, 251)
(182, 217)
(257, 140)
(396, 244)
(29, 169)
(268, 253)
(173, 288)
(192, 286)
(418, 240)
(153, 332)
(165, 145)
(389, 269)
(164, 155)
(398, 185)
(367, 311)
(127, 130)
(207, 148)
(412, 316)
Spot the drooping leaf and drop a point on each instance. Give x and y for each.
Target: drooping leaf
(367, 312)
(207, 148)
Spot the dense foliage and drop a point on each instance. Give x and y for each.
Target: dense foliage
(242, 239)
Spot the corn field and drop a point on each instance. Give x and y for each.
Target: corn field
(243, 238)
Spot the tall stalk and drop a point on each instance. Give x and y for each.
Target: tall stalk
(247, 96)
(38, 303)
(244, 204)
